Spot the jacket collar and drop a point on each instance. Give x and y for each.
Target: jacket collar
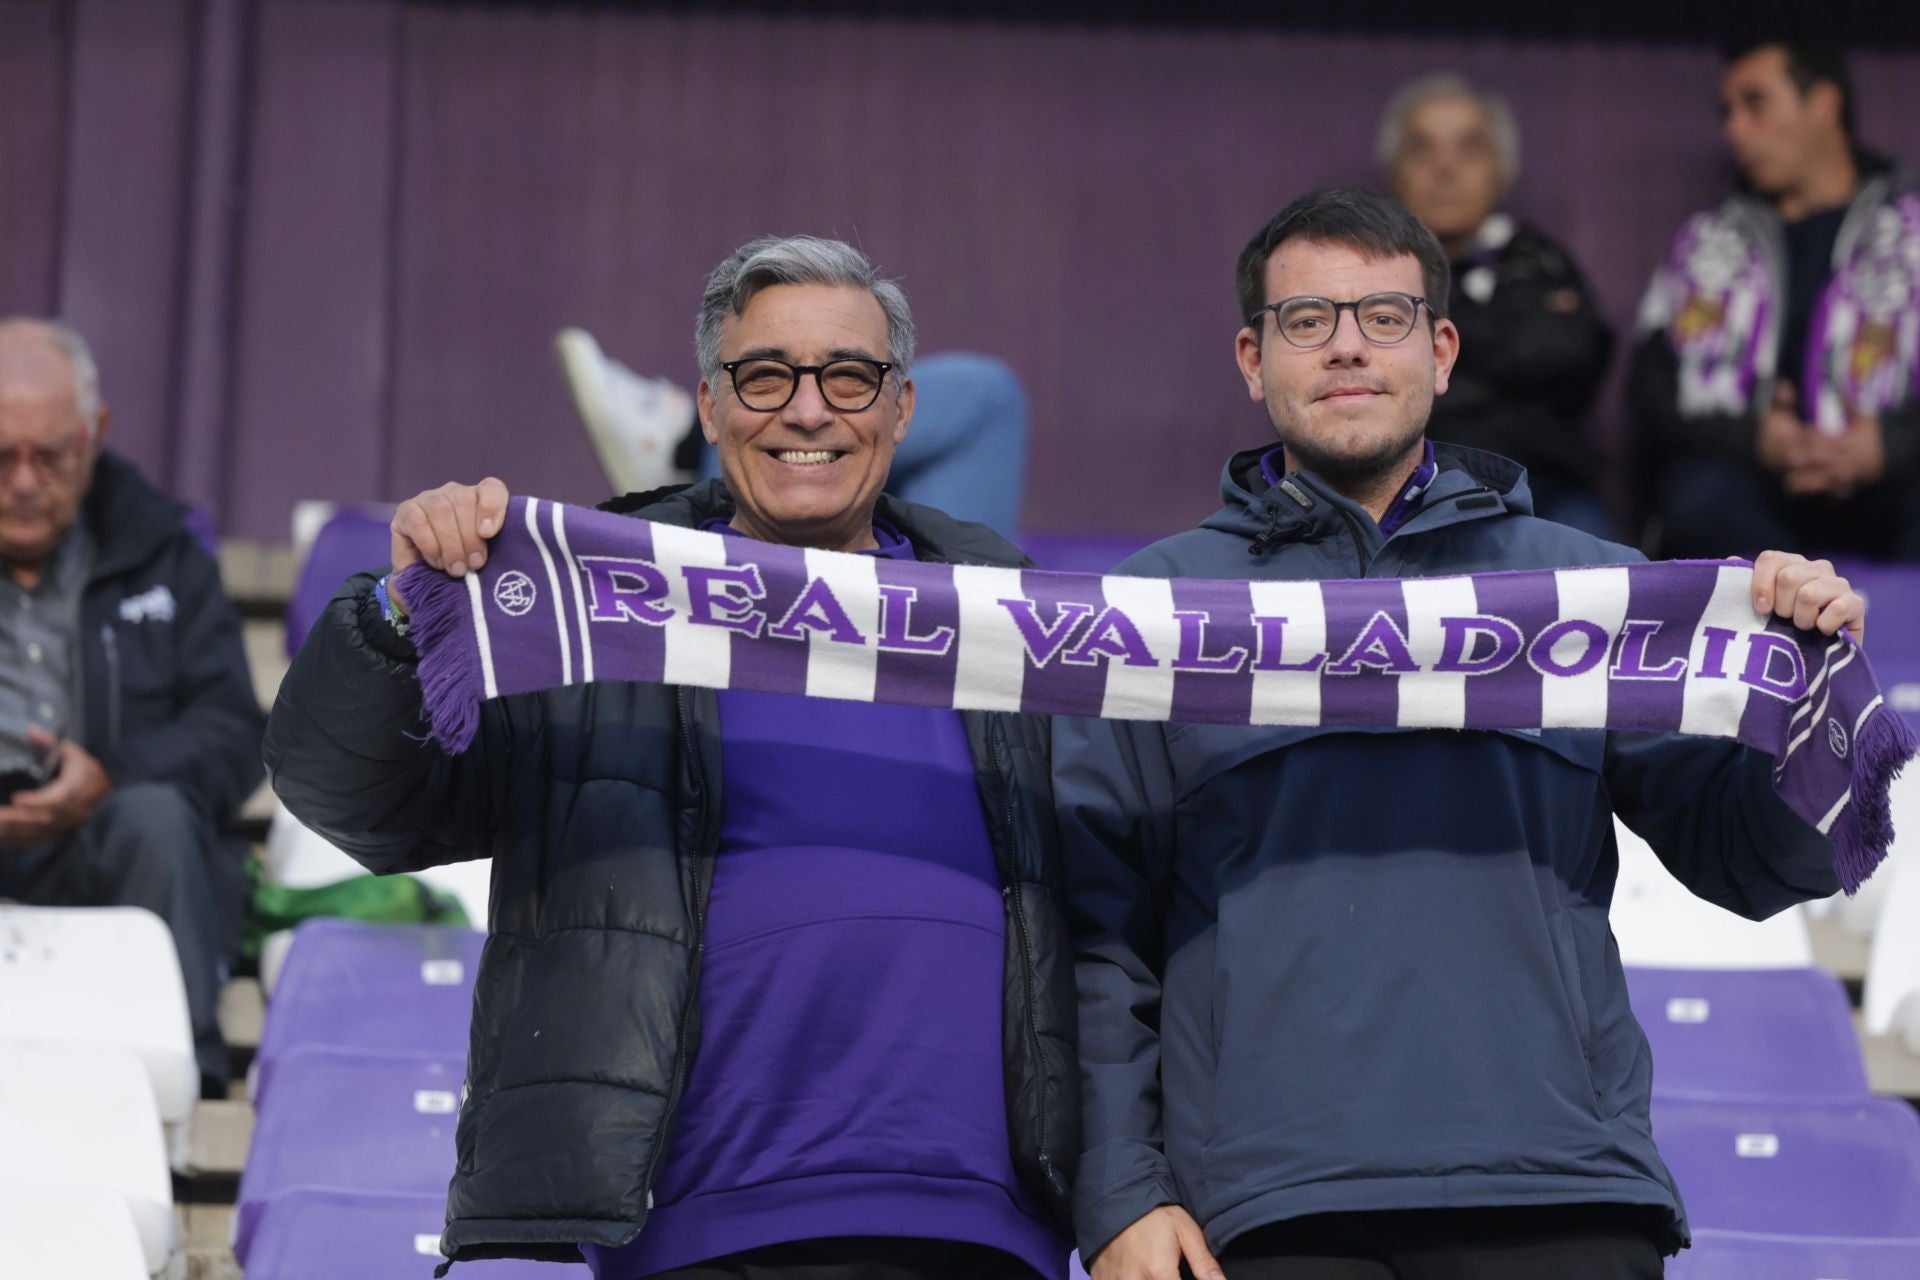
(1472, 485)
(128, 518)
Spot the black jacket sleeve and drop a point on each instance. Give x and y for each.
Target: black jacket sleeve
(349, 754)
(209, 748)
(1653, 394)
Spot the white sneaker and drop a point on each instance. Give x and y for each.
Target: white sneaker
(635, 423)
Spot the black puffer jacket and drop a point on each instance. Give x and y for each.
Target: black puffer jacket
(601, 807)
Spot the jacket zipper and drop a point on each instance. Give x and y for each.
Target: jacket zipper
(1359, 539)
(680, 1057)
(1012, 892)
(110, 644)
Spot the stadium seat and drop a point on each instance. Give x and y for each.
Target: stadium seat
(1798, 1168)
(379, 988)
(352, 540)
(102, 976)
(84, 1113)
(1891, 998)
(1660, 924)
(324, 1235)
(69, 1230)
(1893, 636)
(347, 1121)
(1733, 1255)
(300, 858)
(1766, 1033)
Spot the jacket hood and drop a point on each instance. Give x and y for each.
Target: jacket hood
(936, 536)
(1305, 507)
(129, 519)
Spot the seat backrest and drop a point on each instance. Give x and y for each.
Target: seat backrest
(1660, 924)
(76, 1230)
(1771, 1033)
(1795, 1168)
(380, 988)
(101, 976)
(378, 1123)
(1733, 1255)
(353, 540)
(314, 1234)
(86, 1114)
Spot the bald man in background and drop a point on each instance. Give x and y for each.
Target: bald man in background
(129, 728)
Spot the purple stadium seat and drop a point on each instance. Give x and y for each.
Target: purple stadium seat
(1893, 639)
(1732, 1255)
(346, 1121)
(1082, 552)
(1798, 1168)
(377, 988)
(326, 1235)
(1762, 1033)
(352, 541)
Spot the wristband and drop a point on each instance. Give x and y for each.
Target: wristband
(394, 620)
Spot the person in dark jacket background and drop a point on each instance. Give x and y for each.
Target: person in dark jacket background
(1349, 1003)
(129, 727)
(774, 985)
(1776, 379)
(1533, 344)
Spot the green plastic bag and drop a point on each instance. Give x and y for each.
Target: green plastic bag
(378, 899)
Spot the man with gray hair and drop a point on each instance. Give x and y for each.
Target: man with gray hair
(128, 723)
(850, 910)
(1533, 344)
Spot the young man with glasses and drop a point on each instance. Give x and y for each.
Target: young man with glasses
(1349, 1004)
(777, 985)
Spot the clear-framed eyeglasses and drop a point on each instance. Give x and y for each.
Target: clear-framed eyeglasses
(765, 384)
(1307, 322)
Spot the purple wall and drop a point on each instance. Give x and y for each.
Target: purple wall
(322, 245)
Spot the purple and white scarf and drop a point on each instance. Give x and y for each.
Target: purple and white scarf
(570, 596)
(1720, 304)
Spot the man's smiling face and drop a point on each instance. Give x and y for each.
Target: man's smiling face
(1350, 409)
(806, 474)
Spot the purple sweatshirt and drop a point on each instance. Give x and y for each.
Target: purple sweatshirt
(849, 1078)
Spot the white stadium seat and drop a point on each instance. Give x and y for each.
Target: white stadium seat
(101, 976)
(1660, 924)
(68, 1230)
(1891, 1000)
(71, 1113)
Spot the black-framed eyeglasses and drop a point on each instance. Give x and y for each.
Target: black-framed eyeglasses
(765, 384)
(1308, 322)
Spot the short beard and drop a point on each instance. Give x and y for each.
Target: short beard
(1354, 472)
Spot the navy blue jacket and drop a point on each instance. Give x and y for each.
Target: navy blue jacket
(1327, 970)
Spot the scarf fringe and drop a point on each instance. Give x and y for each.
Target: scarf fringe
(440, 621)
(1864, 830)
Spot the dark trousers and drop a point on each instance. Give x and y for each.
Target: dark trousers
(1711, 509)
(859, 1258)
(1551, 1242)
(145, 846)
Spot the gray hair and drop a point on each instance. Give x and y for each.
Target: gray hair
(1443, 86)
(67, 341)
(774, 260)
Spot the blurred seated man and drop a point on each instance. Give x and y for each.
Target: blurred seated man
(128, 723)
(1774, 385)
(1533, 346)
